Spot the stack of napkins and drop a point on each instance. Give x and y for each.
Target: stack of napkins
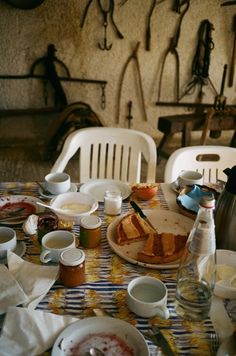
(27, 331)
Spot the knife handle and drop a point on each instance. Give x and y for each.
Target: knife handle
(137, 209)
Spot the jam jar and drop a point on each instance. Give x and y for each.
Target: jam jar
(90, 231)
(72, 267)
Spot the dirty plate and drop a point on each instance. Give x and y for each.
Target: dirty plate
(110, 335)
(18, 208)
(163, 221)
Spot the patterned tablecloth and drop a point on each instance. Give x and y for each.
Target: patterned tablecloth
(107, 276)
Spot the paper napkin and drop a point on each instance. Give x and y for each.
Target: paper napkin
(30, 332)
(11, 292)
(35, 280)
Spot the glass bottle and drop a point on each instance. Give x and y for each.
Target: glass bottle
(197, 269)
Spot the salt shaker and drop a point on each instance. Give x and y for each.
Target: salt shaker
(112, 202)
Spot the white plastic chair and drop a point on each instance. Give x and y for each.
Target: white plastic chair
(210, 161)
(109, 153)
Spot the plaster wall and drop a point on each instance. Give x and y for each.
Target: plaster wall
(25, 35)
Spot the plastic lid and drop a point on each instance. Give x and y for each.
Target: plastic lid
(90, 222)
(207, 201)
(72, 257)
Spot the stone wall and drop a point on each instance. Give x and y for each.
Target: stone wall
(25, 35)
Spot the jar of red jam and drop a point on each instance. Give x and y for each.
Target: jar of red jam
(72, 267)
(90, 231)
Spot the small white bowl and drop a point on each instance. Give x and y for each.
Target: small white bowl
(76, 205)
(228, 258)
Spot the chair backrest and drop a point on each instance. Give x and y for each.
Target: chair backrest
(109, 153)
(210, 161)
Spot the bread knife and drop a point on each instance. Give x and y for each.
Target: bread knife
(141, 213)
(161, 341)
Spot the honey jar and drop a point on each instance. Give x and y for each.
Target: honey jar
(90, 231)
(72, 267)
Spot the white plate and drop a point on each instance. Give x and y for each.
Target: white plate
(73, 188)
(15, 202)
(163, 221)
(19, 251)
(97, 188)
(78, 331)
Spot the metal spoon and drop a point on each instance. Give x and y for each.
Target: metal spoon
(60, 211)
(93, 351)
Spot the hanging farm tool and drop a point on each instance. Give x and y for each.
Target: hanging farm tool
(105, 13)
(201, 62)
(232, 64)
(148, 29)
(219, 107)
(132, 57)
(172, 49)
(220, 100)
(129, 116)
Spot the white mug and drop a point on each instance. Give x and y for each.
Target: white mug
(147, 297)
(189, 178)
(7, 241)
(54, 243)
(57, 183)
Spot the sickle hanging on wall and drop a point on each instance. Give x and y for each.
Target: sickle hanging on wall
(25, 4)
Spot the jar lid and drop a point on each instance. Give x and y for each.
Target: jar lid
(72, 257)
(208, 201)
(90, 222)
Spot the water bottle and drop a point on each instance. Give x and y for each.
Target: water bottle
(197, 269)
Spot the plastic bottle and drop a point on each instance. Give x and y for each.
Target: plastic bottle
(197, 269)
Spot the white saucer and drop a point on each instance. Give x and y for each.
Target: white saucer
(73, 188)
(19, 251)
(175, 186)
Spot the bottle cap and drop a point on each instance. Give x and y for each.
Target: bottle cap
(90, 222)
(207, 201)
(72, 257)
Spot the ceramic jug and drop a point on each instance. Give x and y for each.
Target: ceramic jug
(225, 213)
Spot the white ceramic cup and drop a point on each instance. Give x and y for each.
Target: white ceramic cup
(54, 243)
(147, 297)
(189, 178)
(7, 241)
(57, 183)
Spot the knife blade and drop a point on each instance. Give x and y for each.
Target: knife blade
(161, 341)
(141, 213)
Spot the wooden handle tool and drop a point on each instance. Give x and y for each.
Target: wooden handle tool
(232, 64)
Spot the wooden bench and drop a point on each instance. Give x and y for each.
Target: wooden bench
(187, 123)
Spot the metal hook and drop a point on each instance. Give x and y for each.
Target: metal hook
(105, 46)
